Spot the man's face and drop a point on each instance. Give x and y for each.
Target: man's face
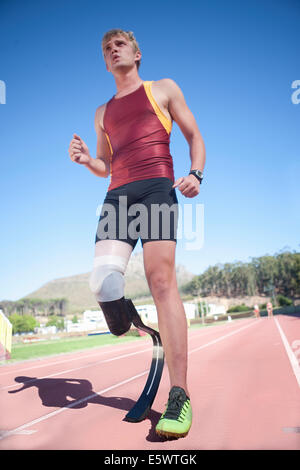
(119, 53)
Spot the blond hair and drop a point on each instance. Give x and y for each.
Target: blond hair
(127, 34)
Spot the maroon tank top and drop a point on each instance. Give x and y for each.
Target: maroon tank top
(139, 141)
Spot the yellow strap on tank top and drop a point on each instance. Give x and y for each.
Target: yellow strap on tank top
(109, 144)
(111, 153)
(161, 116)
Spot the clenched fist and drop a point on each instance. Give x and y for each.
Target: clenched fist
(78, 150)
(189, 186)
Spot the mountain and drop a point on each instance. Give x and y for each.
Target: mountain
(76, 288)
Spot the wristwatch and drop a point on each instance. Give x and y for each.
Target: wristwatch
(198, 174)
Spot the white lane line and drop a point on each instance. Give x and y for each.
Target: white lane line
(75, 369)
(20, 429)
(45, 364)
(293, 360)
(25, 432)
(224, 336)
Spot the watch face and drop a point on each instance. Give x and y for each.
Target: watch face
(198, 174)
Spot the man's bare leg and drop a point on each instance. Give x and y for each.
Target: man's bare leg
(159, 262)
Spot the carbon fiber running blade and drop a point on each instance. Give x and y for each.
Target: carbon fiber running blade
(144, 403)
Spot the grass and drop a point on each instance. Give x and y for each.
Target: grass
(21, 352)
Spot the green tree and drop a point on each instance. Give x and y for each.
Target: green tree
(56, 321)
(265, 275)
(22, 323)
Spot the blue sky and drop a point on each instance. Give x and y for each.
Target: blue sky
(235, 62)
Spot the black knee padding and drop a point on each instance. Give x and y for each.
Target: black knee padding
(117, 316)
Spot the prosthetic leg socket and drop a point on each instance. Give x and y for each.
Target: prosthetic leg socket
(116, 316)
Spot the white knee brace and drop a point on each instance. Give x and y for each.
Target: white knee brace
(107, 278)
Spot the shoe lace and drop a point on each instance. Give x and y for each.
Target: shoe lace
(174, 408)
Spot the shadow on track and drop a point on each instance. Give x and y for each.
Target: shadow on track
(78, 393)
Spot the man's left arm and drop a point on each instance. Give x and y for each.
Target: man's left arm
(189, 185)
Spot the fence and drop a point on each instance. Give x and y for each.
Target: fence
(5, 337)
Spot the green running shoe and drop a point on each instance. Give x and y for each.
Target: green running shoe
(177, 419)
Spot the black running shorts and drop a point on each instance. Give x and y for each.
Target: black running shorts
(145, 209)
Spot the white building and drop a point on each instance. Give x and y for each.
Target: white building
(45, 330)
(216, 309)
(191, 310)
(148, 312)
(93, 316)
(92, 320)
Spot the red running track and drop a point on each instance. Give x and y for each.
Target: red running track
(244, 380)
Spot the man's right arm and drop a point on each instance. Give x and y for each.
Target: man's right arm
(100, 166)
(79, 152)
